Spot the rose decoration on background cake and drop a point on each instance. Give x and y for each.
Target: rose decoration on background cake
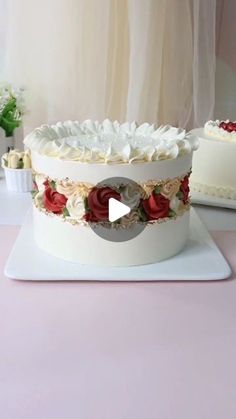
(98, 201)
(156, 206)
(53, 201)
(228, 126)
(184, 188)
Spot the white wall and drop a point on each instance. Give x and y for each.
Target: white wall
(2, 33)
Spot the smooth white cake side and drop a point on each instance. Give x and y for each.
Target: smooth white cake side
(80, 244)
(214, 167)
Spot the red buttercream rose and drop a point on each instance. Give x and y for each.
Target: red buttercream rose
(156, 206)
(53, 201)
(98, 202)
(184, 188)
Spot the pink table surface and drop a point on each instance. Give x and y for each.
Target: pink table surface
(118, 351)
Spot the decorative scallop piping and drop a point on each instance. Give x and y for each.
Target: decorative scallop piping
(219, 191)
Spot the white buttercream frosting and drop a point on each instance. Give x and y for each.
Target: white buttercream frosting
(75, 207)
(213, 129)
(110, 142)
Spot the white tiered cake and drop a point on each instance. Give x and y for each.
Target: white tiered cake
(214, 169)
(70, 159)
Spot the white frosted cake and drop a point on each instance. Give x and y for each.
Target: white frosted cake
(70, 159)
(214, 169)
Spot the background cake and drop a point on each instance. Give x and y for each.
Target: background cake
(214, 169)
(70, 160)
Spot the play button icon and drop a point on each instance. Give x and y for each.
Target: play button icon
(122, 223)
(117, 210)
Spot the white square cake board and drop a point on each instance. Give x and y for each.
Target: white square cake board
(200, 260)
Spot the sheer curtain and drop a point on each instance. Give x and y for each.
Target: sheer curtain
(143, 60)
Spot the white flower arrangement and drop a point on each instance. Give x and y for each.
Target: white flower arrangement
(12, 108)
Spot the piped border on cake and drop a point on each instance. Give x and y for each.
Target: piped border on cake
(82, 203)
(219, 191)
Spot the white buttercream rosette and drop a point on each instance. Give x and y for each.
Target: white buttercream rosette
(130, 195)
(75, 207)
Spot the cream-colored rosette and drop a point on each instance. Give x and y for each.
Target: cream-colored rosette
(170, 188)
(69, 188)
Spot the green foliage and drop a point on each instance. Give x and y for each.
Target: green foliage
(10, 117)
(20, 164)
(86, 205)
(34, 193)
(142, 214)
(180, 195)
(65, 212)
(5, 162)
(52, 185)
(172, 213)
(157, 190)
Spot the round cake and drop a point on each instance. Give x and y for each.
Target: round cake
(214, 170)
(71, 163)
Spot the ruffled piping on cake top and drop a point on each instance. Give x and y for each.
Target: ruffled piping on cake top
(110, 142)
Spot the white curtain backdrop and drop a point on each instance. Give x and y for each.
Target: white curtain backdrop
(143, 60)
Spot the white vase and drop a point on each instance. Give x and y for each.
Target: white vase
(18, 180)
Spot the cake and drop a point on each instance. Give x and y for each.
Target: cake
(214, 170)
(70, 162)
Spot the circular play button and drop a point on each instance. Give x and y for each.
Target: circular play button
(115, 209)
